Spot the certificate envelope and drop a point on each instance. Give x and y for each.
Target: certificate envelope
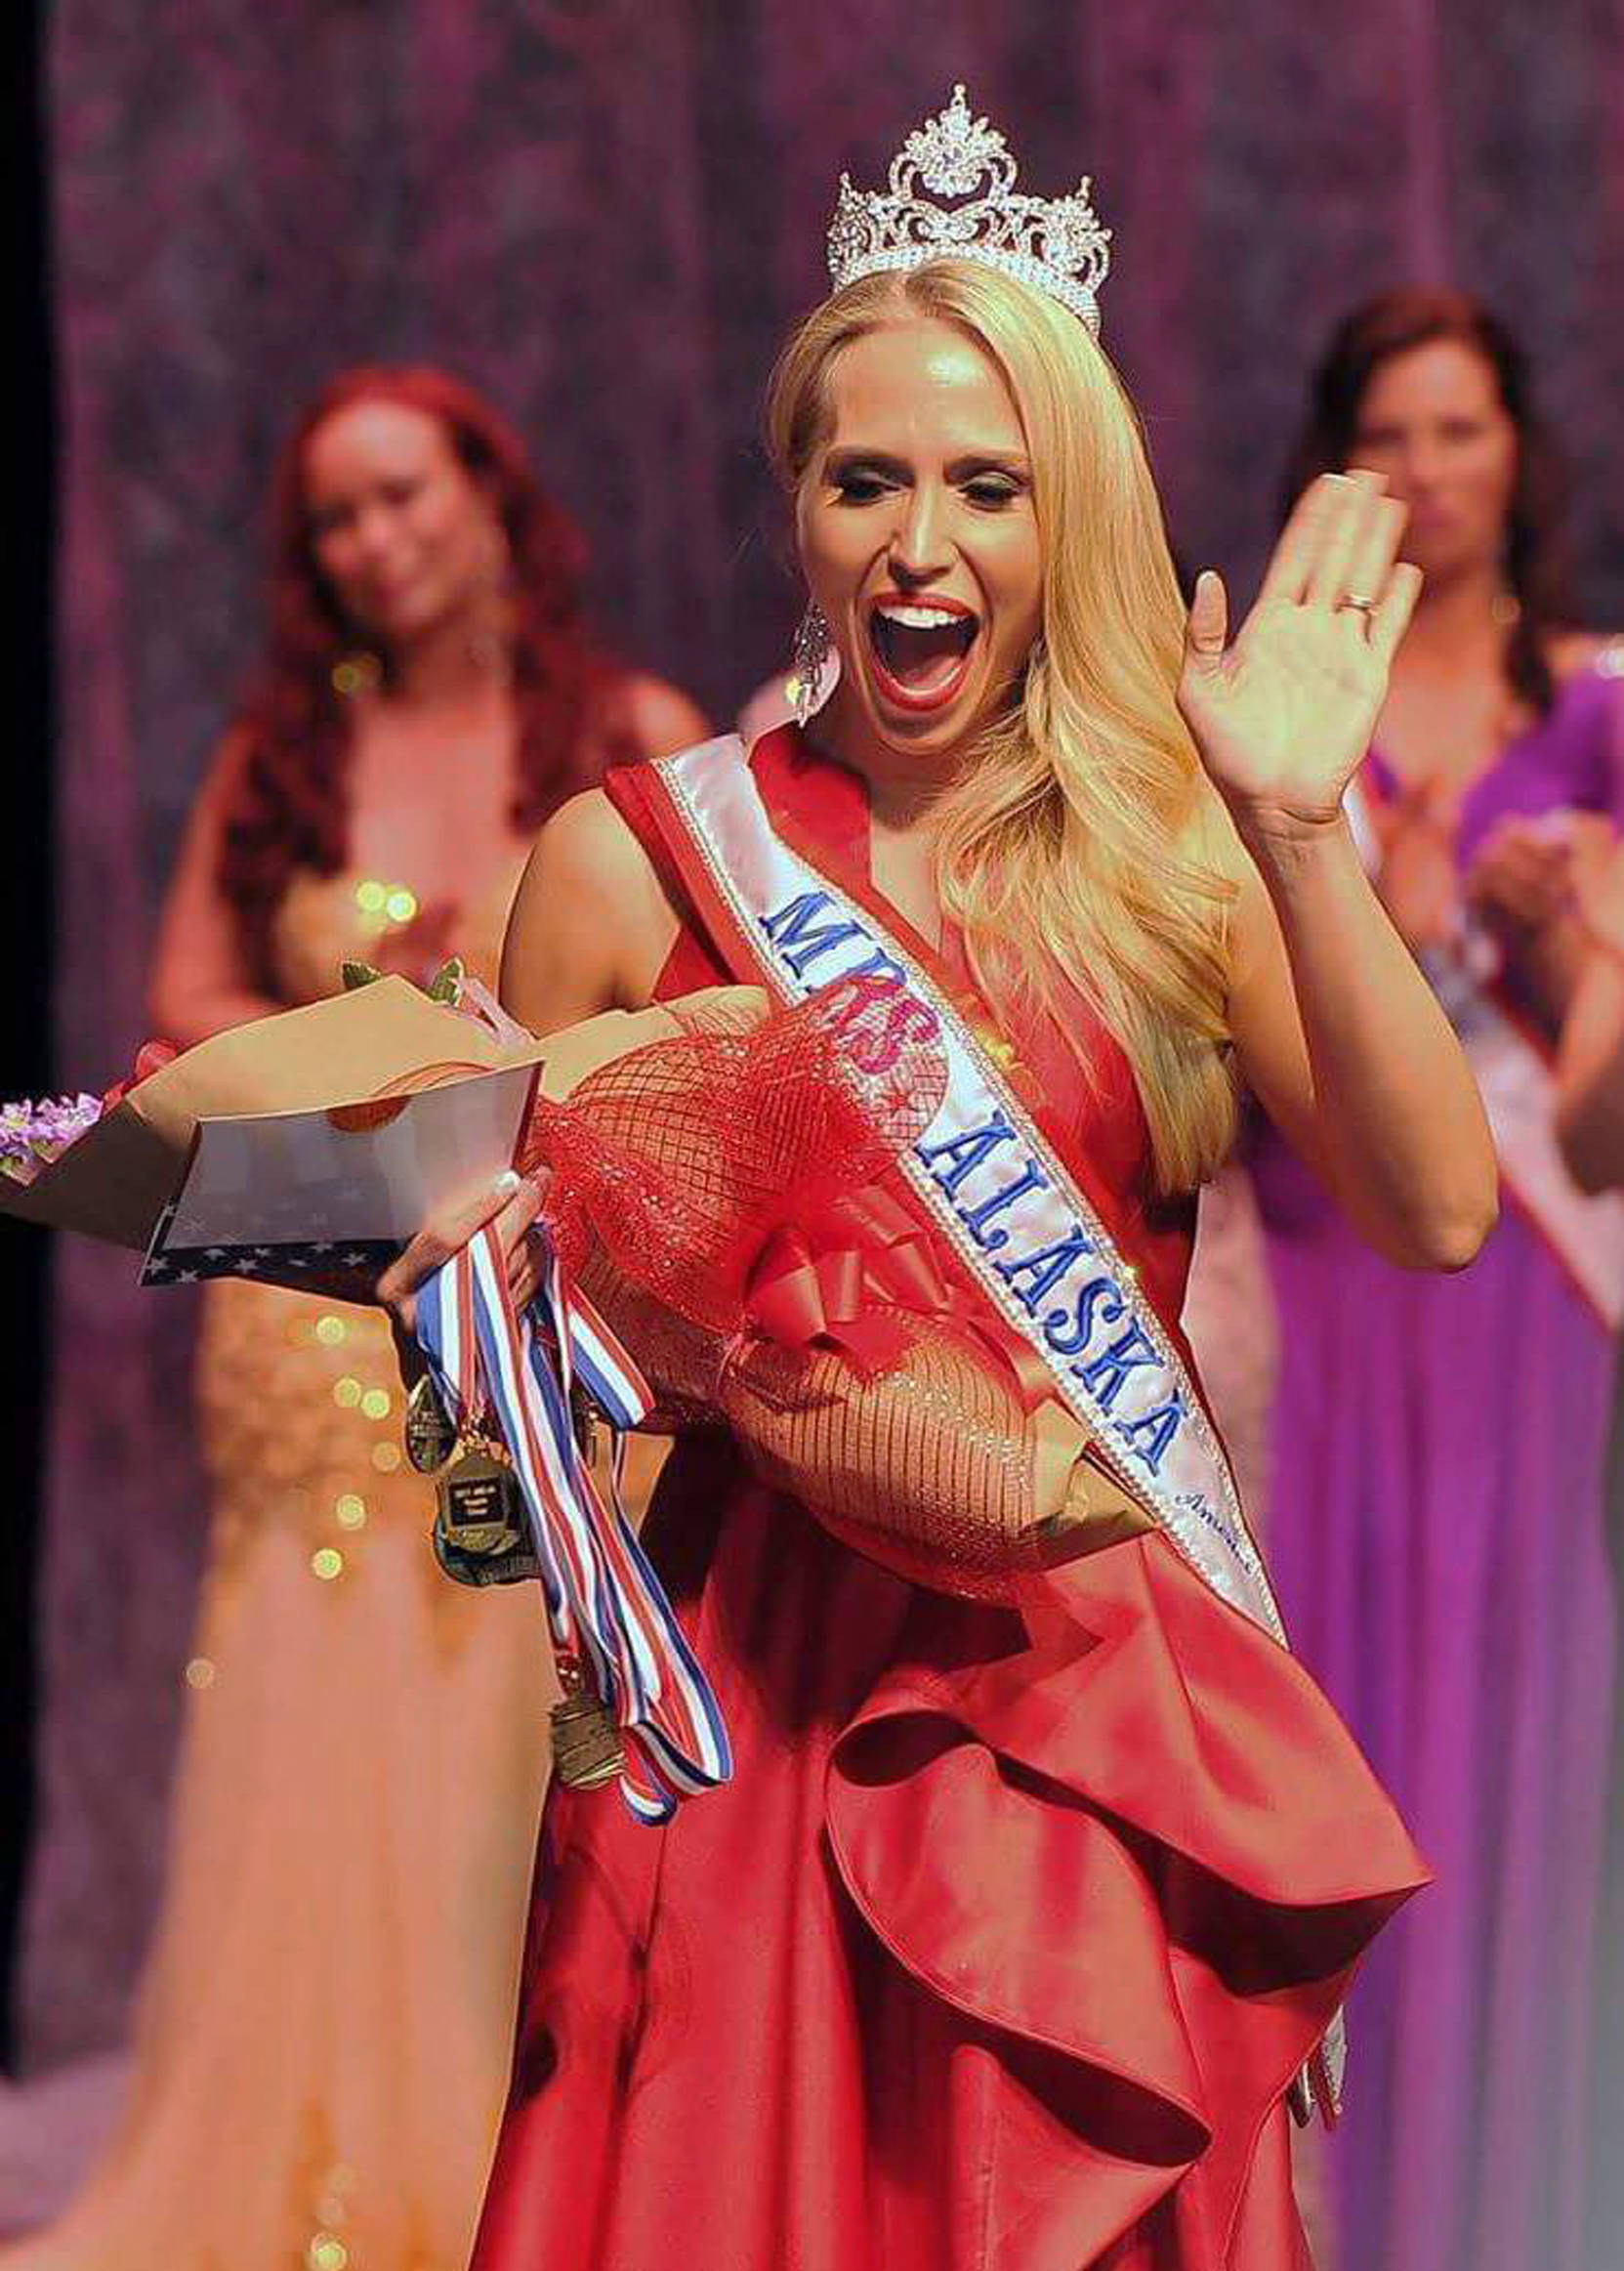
(270, 1193)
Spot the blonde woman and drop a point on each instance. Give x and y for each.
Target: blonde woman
(1011, 1934)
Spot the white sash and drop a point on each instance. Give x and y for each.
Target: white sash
(1585, 1233)
(991, 1183)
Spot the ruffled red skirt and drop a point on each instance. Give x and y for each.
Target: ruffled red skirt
(999, 1954)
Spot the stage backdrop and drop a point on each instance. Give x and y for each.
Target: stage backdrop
(604, 212)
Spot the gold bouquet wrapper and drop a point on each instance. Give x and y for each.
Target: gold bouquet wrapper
(115, 1181)
(854, 1379)
(358, 1060)
(935, 1466)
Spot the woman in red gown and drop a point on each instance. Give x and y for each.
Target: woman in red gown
(1013, 1931)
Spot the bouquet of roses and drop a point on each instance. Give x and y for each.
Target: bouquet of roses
(725, 1198)
(726, 1240)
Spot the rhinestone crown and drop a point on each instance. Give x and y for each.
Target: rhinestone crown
(1056, 245)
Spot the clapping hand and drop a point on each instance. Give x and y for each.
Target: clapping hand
(1529, 887)
(1530, 873)
(1282, 718)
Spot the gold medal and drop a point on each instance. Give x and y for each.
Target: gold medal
(587, 1753)
(430, 1435)
(479, 1506)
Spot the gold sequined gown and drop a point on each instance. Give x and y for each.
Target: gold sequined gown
(324, 2024)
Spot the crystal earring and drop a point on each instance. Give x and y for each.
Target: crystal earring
(809, 657)
(357, 673)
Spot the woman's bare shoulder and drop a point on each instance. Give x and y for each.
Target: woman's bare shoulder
(590, 925)
(588, 866)
(587, 837)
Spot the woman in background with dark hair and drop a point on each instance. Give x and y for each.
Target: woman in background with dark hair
(326, 2019)
(1437, 1444)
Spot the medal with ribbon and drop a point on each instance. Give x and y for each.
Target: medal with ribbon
(636, 1708)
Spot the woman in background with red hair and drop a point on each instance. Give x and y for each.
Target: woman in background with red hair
(363, 1753)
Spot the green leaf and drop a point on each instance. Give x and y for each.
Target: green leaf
(446, 985)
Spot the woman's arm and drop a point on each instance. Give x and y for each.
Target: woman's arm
(1532, 876)
(1334, 1025)
(590, 930)
(201, 981)
(1526, 885)
(1590, 1063)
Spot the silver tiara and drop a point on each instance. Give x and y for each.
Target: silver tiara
(1058, 245)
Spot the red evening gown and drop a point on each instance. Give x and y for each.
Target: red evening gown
(1002, 1948)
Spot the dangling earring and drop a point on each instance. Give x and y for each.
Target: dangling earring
(357, 673)
(809, 659)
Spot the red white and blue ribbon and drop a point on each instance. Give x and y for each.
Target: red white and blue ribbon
(605, 1607)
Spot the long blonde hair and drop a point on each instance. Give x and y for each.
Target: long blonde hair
(1069, 846)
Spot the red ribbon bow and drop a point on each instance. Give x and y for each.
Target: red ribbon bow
(853, 1276)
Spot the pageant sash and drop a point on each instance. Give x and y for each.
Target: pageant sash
(984, 1173)
(606, 1608)
(1515, 1078)
(996, 1189)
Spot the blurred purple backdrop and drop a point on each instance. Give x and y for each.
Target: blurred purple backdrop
(604, 212)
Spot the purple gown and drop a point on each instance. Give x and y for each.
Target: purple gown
(1435, 1535)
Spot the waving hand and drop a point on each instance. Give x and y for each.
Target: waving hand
(1282, 716)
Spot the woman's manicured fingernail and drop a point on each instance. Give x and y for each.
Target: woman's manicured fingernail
(507, 1182)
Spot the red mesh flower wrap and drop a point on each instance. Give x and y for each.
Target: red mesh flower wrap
(716, 1194)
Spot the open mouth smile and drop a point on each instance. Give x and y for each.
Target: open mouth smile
(920, 649)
